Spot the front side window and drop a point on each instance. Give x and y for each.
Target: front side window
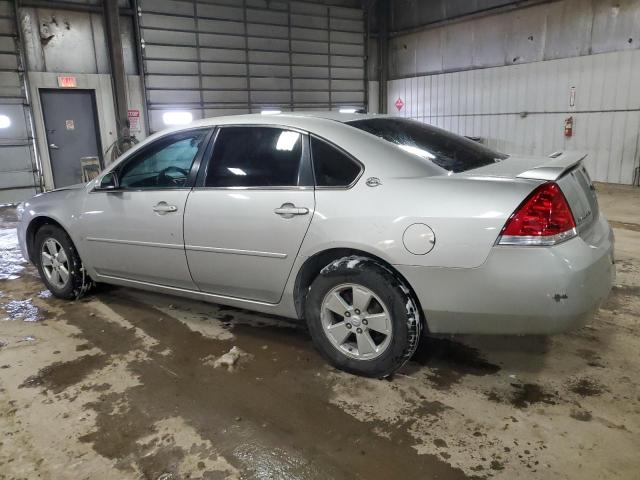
(256, 157)
(332, 167)
(165, 163)
(447, 150)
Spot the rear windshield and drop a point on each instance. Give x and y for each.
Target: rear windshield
(447, 150)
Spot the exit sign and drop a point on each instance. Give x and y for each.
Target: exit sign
(67, 82)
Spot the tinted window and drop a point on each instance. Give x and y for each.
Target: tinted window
(163, 164)
(256, 157)
(447, 150)
(332, 167)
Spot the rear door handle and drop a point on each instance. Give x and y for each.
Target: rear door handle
(162, 208)
(289, 210)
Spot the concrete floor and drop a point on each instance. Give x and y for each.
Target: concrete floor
(123, 384)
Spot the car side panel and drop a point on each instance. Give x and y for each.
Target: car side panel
(520, 290)
(466, 216)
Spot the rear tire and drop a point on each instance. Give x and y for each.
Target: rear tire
(59, 264)
(362, 318)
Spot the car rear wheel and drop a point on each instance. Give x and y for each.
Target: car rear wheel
(59, 264)
(362, 318)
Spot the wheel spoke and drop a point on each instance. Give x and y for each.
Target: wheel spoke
(63, 273)
(337, 304)
(46, 259)
(339, 332)
(361, 299)
(365, 344)
(62, 256)
(51, 246)
(379, 322)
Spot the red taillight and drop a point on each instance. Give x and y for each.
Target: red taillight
(544, 218)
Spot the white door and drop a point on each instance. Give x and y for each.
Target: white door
(244, 225)
(135, 230)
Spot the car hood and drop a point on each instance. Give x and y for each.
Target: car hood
(76, 186)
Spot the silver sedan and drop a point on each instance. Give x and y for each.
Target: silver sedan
(372, 229)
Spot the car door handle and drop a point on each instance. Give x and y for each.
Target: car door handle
(53, 146)
(162, 208)
(288, 210)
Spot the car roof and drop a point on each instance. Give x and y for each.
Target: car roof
(289, 118)
(381, 158)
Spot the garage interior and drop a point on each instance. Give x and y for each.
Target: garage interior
(124, 384)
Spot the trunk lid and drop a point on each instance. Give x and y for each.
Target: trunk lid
(564, 168)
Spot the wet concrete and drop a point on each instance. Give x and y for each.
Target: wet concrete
(123, 384)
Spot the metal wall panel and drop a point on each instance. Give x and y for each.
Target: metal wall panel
(543, 31)
(225, 57)
(18, 173)
(522, 108)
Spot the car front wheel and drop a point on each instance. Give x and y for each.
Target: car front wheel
(59, 264)
(362, 318)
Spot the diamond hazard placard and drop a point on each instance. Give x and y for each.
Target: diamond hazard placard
(399, 104)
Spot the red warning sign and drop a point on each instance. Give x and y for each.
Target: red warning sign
(399, 104)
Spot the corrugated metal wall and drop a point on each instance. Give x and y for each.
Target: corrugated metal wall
(230, 57)
(546, 31)
(18, 173)
(522, 108)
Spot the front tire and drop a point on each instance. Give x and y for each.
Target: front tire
(362, 318)
(59, 264)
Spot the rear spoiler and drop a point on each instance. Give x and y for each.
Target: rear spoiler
(560, 163)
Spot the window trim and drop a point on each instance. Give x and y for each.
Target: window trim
(204, 166)
(345, 153)
(191, 177)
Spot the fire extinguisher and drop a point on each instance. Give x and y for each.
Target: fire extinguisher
(568, 127)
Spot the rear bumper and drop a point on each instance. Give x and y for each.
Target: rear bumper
(520, 290)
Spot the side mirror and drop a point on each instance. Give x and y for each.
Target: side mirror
(108, 182)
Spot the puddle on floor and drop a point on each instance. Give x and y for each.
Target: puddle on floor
(11, 261)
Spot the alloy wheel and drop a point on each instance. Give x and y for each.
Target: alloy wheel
(356, 321)
(55, 264)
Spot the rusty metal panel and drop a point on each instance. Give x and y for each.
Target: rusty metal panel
(488, 41)
(568, 29)
(546, 31)
(457, 51)
(428, 57)
(525, 39)
(616, 26)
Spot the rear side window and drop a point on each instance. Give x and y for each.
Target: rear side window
(256, 157)
(447, 150)
(332, 168)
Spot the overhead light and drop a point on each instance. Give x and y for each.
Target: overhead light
(177, 118)
(417, 151)
(5, 122)
(270, 111)
(287, 140)
(236, 171)
(348, 110)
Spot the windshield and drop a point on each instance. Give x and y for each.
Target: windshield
(447, 150)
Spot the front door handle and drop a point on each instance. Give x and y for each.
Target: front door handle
(53, 146)
(162, 208)
(289, 210)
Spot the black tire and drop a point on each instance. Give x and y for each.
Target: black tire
(404, 316)
(78, 282)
